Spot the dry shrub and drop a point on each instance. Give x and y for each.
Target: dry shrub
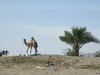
(88, 67)
(25, 59)
(0, 54)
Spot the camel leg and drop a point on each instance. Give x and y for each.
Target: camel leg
(31, 51)
(27, 51)
(35, 50)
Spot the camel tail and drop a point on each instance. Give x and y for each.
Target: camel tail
(36, 45)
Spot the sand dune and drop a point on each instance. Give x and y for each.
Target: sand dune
(63, 65)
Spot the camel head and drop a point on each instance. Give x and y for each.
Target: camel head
(32, 38)
(25, 42)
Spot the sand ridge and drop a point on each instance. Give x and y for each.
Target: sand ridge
(35, 65)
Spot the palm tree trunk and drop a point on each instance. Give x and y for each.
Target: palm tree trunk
(77, 50)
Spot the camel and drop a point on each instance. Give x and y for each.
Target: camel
(31, 44)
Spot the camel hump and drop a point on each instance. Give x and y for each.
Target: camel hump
(33, 42)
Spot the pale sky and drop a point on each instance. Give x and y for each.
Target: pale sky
(46, 20)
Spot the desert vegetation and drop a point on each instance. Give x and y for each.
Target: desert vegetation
(4, 52)
(78, 37)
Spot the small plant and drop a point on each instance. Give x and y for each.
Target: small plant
(20, 55)
(96, 68)
(69, 52)
(97, 54)
(24, 55)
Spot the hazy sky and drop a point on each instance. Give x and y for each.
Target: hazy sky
(46, 20)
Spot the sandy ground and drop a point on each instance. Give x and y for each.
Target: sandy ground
(63, 65)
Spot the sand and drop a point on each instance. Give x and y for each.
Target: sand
(63, 65)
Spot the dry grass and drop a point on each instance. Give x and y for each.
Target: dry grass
(57, 60)
(35, 65)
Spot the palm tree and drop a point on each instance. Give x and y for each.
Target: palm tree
(77, 38)
(5, 52)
